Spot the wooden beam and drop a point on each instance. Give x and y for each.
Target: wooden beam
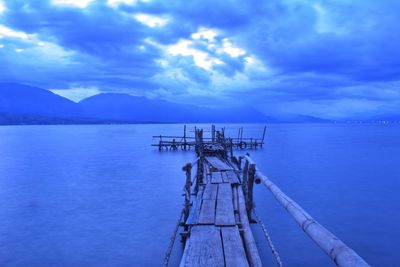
(210, 191)
(205, 248)
(235, 256)
(224, 213)
(207, 212)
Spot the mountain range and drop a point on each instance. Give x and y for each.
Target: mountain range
(22, 104)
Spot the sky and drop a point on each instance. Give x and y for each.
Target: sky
(331, 59)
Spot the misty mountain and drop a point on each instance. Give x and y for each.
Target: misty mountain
(21, 104)
(22, 99)
(141, 109)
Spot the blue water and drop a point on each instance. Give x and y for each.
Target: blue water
(101, 196)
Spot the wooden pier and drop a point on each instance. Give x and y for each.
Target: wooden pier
(186, 142)
(218, 232)
(218, 210)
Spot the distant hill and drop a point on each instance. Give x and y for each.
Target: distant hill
(22, 99)
(141, 109)
(21, 104)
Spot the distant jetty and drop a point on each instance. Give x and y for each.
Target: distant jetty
(186, 142)
(218, 207)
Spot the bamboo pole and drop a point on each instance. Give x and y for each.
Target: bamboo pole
(339, 252)
(248, 239)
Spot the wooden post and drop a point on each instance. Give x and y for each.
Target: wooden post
(265, 130)
(231, 147)
(184, 137)
(245, 174)
(201, 142)
(250, 183)
(213, 133)
(173, 147)
(188, 170)
(200, 173)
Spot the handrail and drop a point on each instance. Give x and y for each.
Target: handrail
(339, 252)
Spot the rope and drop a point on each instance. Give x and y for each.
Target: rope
(172, 242)
(271, 245)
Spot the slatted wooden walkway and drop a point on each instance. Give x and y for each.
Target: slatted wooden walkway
(215, 220)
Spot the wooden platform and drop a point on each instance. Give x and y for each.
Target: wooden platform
(215, 221)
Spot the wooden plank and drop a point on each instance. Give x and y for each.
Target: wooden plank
(210, 191)
(195, 210)
(232, 177)
(224, 191)
(207, 212)
(216, 177)
(236, 204)
(235, 255)
(205, 247)
(218, 164)
(224, 213)
(225, 178)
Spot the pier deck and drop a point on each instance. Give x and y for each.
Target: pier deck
(216, 220)
(219, 205)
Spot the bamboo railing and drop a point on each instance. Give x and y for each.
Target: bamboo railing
(339, 252)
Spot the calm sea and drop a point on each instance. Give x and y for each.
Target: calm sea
(101, 196)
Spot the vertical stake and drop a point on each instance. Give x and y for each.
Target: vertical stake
(250, 183)
(263, 136)
(188, 170)
(231, 147)
(184, 137)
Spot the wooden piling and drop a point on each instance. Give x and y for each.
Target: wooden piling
(263, 136)
(249, 188)
(188, 171)
(184, 137)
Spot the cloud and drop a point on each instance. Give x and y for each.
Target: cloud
(324, 58)
(73, 3)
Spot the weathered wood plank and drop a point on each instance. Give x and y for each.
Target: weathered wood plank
(207, 212)
(224, 213)
(216, 177)
(236, 204)
(224, 191)
(195, 210)
(218, 164)
(225, 178)
(235, 255)
(210, 191)
(232, 177)
(205, 247)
